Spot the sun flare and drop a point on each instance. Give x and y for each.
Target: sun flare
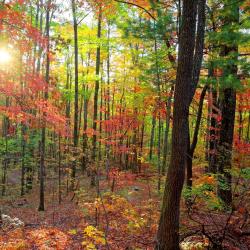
(5, 56)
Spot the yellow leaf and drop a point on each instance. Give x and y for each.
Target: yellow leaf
(73, 231)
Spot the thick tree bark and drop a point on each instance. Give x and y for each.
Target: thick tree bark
(199, 46)
(198, 56)
(225, 146)
(168, 231)
(228, 108)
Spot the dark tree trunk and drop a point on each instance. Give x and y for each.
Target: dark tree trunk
(59, 170)
(100, 127)
(23, 145)
(76, 114)
(152, 137)
(85, 121)
(85, 138)
(43, 138)
(168, 231)
(40, 49)
(209, 111)
(198, 56)
(225, 145)
(97, 82)
(248, 127)
(5, 160)
(228, 108)
(199, 46)
(192, 147)
(68, 88)
(35, 45)
(108, 102)
(4, 176)
(198, 121)
(158, 82)
(159, 154)
(168, 115)
(213, 134)
(240, 131)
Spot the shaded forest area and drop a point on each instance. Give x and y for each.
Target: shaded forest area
(124, 124)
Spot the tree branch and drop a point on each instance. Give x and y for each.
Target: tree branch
(138, 6)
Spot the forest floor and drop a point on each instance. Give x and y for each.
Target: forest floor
(61, 226)
(43, 230)
(129, 216)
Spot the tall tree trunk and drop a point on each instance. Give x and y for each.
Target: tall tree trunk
(98, 63)
(100, 127)
(228, 108)
(38, 67)
(152, 137)
(248, 128)
(199, 46)
(108, 103)
(76, 114)
(23, 145)
(198, 56)
(195, 139)
(159, 153)
(43, 138)
(240, 130)
(85, 120)
(108, 73)
(209, 111)
(225, 146)
(23, 131)
(158, 82)
(168, 115)
(59, 170)
(213, 134)
(68, 88)
(85, 125)
(168, 231)
(36, 25)
(5, 161)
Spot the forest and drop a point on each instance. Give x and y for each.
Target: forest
(124, 124)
